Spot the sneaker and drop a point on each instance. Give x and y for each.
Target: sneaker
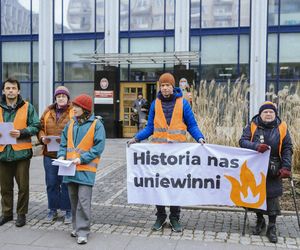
(73, 233)
(21, 220)
(82, 240)
(52, 216)
(5, 219)
(68, 217)
(176, 226)
(158, 225)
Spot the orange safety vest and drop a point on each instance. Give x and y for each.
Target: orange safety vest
(85, 145)
(282, 133)
(176, 131)
(20, 122)
(71, 114)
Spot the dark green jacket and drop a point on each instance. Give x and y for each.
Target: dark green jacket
(33, 126)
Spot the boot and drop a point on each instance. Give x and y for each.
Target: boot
(271, 233)
(21, 220)
(260, 225)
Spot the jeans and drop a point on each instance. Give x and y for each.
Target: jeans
(174, 212)
(57, 192)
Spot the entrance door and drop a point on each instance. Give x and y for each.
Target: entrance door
(128, 93)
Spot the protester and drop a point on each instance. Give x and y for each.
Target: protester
(140, 107)
(267, 132)
(82, 142)
(53, 121)
(170, 117)
(185, 88)
(15, 158)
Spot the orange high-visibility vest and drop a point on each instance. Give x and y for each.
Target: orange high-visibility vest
(71, 114)
(20, 122)
(85, 145)
(282, 133)
(176, 131)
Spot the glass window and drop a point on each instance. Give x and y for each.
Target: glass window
(25, 91)
(35, 16)
(219, 13)
(79, 16)
(272, 56)
(273, 12)
(147, 44)
(170, 44)
(245, 13)
(170, 14)
(289, 54)
(74, 68)
(35, 96)
(195, 13)
(79, 88)
(35, 61)
(100, 15)
(16, 60)
(58, 16)
(100, 46)
(219, 57)
(244, 54)
(15, 17)
(195, 46)
(146, 15)
(58, 60)
(124, 15)
(290, 12)
(124, 45)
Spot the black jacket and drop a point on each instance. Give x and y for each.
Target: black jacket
(272, 138)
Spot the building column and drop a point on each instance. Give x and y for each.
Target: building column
(258, 56)
(111, 26)
(182, 23)
(45, 54)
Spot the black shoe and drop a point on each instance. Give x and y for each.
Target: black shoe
(21, 220)
(271, 233)
(4, 219)
(260, 225)
(176, 226)
(158, 225)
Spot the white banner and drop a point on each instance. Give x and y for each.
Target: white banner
(192, 174)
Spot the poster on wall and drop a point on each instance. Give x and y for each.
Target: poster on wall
(103, 96)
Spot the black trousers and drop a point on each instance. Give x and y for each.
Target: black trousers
(174, 212)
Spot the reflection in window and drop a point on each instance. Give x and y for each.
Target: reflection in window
(74, 68)
(149, 15)
(25, 91)
(78, 88)
(272, 56)
(79, 16)
(124, 15)
(35, 61)
(219, 57)
(195, 13)
(290, 12)
(57, 16)
(15, 17)
(100, 15)
(16, 60)
(244, 55)
(58, 61)
(245, 13)
(219, 13)
(273, 12)
(35, 16)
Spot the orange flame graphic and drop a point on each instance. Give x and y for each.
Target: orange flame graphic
(248, 182)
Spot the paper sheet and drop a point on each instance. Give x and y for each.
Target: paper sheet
(66, 168)
(5, 138)
(53, 146)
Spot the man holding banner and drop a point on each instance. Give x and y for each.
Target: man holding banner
(170, 117)
(266, 131)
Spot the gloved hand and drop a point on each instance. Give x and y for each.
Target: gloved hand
(131, 141)
(202, 141)
(284, 172)
(262, 148)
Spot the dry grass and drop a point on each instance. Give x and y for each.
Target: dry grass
(222, 111)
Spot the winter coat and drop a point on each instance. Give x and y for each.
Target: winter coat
(33, 126)
(138, 105)
(271, 138)
(79, 131)
(168, 106)
(53, 126)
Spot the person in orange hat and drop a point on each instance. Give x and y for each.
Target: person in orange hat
(82, 142)
(265, 132)
(170, 117)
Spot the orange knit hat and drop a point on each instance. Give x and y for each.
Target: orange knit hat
(167, 78)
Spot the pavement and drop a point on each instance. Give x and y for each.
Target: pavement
(119, 225)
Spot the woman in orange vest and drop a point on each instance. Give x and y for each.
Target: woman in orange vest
(53, 121)
(170, 117)
(82, 142)
(267, 132)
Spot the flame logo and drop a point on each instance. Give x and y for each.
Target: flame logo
(248, 183)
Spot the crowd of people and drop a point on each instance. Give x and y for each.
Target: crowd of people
(81, 139)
